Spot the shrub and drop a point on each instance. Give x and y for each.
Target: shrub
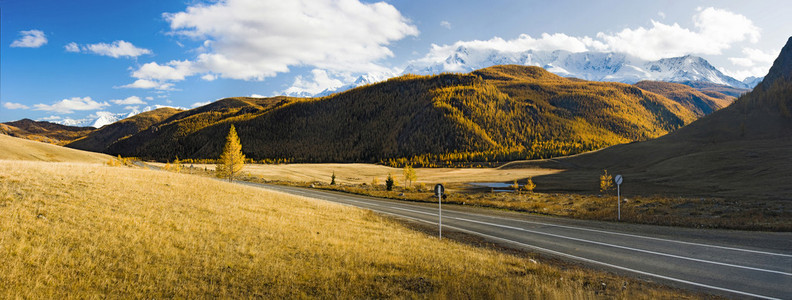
(606, 182)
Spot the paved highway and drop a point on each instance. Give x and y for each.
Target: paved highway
(732, 263)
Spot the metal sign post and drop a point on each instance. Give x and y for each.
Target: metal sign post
(439, 189)
(618, 179)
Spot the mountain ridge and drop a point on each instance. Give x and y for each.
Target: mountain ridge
(590, 65)
(498, 112)
(44, 131)
(741, 151)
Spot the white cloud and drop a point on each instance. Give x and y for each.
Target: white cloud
(445, 24)
(115, 49)
(132, 108)
(175, 70)
(197, 104)
(753, 57)
(714, 31)
(255, 39)
(30, 39)
(149, 98)
(12, 105)
(129, 101)
(320, 81)
(72, 47)
(661, 14)
(257, 96)
(67, 106)
(51, 118)
(149, 84)
(158, 106)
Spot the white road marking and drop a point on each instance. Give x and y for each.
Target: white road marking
(600, 243)
(626, 248)
(614, 266)
(586, 259)
(632, 235)
(595, 242)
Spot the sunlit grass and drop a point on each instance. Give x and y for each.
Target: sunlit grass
(90, 231)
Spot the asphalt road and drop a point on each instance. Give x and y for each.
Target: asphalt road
(733, 263)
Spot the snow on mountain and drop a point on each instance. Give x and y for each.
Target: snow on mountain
(596, 66)
(360, 81)
(98, 119)
(104, 118)
(752, 81)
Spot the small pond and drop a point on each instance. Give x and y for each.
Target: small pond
(495, 186)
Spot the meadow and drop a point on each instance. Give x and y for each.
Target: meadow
(655, 208)
(77, 230)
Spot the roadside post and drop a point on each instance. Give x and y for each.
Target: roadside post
(439, 189)
(618, 179)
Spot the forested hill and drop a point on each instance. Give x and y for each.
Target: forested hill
(741, 151)
(497, 113)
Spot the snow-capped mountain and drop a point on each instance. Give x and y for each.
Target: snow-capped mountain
(360, 81)
(752, 81)
(98, 119)
(596, 66)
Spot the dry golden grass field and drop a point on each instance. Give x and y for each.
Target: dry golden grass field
(365, 173)
(12, 148)
(656, 209)
(75, 230)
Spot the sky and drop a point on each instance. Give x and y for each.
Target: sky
(73, 61)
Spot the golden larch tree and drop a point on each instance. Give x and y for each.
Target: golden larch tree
(409, 174)
(231, 160)
(606, 182)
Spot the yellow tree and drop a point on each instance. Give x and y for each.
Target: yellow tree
(606, 182)
(529, 185)
(409, 174)
(231, 160)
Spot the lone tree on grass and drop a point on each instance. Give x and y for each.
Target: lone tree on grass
(409, 174)
(389, 182)
(606, 182)
(231, 160)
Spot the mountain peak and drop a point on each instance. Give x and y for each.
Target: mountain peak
(781, 69)
(590, 65)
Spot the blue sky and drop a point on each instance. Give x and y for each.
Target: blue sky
(75, 60)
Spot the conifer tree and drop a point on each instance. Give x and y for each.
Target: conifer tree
(231, 160)
(389, 182)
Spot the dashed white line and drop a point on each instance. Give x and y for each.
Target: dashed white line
(362, 203)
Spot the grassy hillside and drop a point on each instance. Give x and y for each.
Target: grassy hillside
(699, 103)
(12, 148)
(87, 231)
(175, 135)
(498, 113)
(739, 152)
(99, 140)
(44, 131)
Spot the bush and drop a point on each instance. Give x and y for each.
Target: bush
(529, 185)
(606, 182)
